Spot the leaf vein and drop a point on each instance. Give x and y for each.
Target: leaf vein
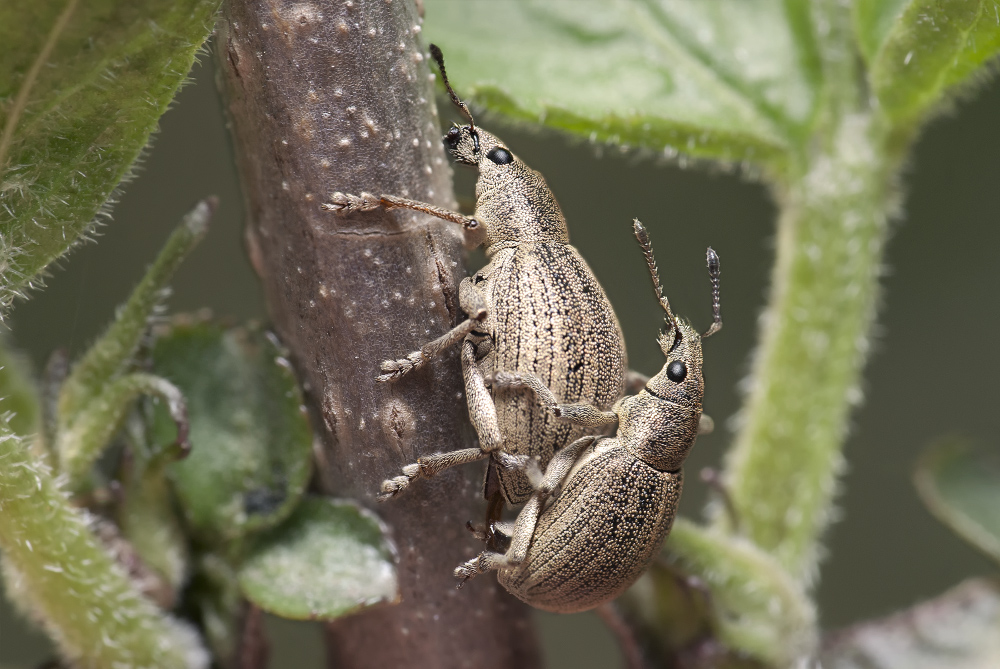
(21, 101)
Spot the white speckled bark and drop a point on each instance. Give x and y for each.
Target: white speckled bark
(335, 96)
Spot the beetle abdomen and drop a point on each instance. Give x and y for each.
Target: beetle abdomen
(595, 540)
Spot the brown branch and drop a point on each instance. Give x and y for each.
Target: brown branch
(253, 651)
(628, 642)
(335, 96)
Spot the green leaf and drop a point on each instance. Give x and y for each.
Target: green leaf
(149, 525)
(214, 593)
(81, 443)
(957, 630)
(929, 47)
(82, 86)
(962, 489)
(873, 19)
(721, 79)
(329, 559)
(250, 437)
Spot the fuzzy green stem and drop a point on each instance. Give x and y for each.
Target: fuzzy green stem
(114, 350)
(782, 471)
(760, 609)
(20, 392)
(58, 571)
(81, 443)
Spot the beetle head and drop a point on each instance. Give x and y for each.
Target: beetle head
(468, 144)
(513, 201)
(660, 423)
(471, 145)
(680, 378)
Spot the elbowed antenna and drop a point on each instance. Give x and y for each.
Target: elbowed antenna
(647, 251)
(714, 269)
(439, 59)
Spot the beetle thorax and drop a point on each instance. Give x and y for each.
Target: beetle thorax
(516, 205)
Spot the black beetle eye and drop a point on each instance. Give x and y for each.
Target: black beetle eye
(676, 371)
(500, 156)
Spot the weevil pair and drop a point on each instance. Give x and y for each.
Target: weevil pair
(544, 364)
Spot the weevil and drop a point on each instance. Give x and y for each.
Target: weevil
(604, 505)
(536, 307)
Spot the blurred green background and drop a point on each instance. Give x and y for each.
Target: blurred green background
(934, 369)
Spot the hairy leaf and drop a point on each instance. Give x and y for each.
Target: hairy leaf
(250, 438)
(82, 86)
(962, 489)
(710, 78)
(928, 48)
(81, 443)
(330, 558)
(957, 630)
(872, 21)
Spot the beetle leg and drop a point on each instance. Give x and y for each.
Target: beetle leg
(482, 563)
(523, 463)
(506, 379)
(502, 529)
(473, 302)
(483, 413)
(585, 414)
(578, 414)
(482, 410)
(346, 203)
(524, 527)
(429, 465)
(561, 463)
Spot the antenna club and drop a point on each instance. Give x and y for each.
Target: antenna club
(437, 55)
(640, 232)
(714, 269)
(713, 262)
